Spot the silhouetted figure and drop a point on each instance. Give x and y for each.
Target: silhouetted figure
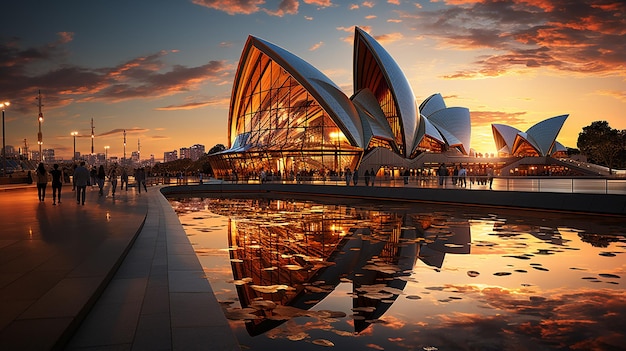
(100, 178)
(81, 179)
(42, 181)
(124, 179)
(57, 176)
(113, 180)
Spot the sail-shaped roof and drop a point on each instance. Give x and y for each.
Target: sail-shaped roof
(375, 69)
(540, 138)
(256, 58)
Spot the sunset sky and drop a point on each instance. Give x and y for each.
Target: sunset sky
(163, 70)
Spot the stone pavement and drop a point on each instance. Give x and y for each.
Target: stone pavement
(117, 273)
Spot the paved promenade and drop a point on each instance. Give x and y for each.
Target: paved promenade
(117, 273)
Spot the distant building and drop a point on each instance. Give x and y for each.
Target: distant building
(48, 155)
(184, 152)
(134, 156)
(169, 156)
(10, 151)
(196, 152)
(193, 153)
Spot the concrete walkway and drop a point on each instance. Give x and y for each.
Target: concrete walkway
(117, 273)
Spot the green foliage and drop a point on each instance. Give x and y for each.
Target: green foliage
(603, 145)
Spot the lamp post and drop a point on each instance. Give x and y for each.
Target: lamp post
(40, 135)
(4, 149)
(106, 155)
(74, 134)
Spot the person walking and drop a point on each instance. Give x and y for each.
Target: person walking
(490, 174)
(124, 179)
(442, 173)
(93, 175)
(113, 180)
(81, 179)
(57, 176)
(462, 180)
(372, 176)
(73, 178)
(42, 181)
(101, 176)
(144, 179)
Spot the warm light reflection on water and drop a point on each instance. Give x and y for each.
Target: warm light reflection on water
(388, 276)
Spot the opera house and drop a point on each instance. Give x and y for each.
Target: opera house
(287, 118)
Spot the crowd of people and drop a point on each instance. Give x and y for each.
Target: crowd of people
(82, 177)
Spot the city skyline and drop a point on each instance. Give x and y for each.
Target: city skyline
(165, 73)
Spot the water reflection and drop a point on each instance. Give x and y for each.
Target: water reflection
(417, 277)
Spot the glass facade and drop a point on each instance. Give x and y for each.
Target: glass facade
(279, 127)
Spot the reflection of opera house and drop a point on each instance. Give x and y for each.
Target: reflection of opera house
(287, 117)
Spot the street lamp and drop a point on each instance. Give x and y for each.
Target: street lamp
(40, 135)
(4, 149)
(106, 155)
(74, 134)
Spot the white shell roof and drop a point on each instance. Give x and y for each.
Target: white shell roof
(545, 132)
(541, 136)
(401, 89)
(454, 123)
(508, 134)
(432, 104)
(376, 120)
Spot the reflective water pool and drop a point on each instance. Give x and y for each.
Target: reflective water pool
(387, 276)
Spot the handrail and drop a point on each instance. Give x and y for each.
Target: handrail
(558, 184)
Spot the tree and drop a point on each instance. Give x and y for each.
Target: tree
(216, 148)
(601, 143)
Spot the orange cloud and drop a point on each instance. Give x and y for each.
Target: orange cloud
(321, 3)
(583, 38)
(316, 46)
(232, 7)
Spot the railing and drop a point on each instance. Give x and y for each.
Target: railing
(531, 184)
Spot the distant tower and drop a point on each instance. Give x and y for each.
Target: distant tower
(25, 152)
(40, 135)
(124, 159)
(92, 136)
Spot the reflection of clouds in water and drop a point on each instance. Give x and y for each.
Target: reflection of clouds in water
(584, 319)
(528, 308)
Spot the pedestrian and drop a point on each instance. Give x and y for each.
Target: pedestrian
(490, 175)
(101, 176)
(140, 176)
(81, 179)
(143, 179)
(57, 175)
(442, 172)
(124, 179)
(367, 177)
(348, 175)
(462, 180)
(42, 181)
(113, 179)
(73, 178)
(372, 176)
(93, 175)
(355, 176)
